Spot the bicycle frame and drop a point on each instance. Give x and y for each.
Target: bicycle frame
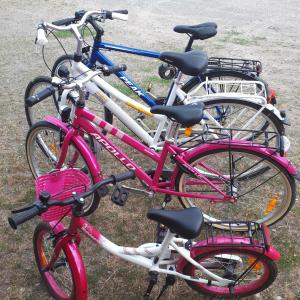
(143, 255)
(83, 120)
(97, 55)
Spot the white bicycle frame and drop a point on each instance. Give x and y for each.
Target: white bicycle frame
(145, 256)
(97, 85)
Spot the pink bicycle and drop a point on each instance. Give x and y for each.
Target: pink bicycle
(234, 265)
(226, 178)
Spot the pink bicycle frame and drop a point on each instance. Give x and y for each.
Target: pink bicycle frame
(83, 120)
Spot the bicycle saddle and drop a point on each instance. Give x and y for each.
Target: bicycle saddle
(187, 115)
(190, 63)
(185, 222)
(198, 32)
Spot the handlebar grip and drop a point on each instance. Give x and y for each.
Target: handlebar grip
(32, 100)
(41, 37)
(119, 16)
(124, 176)
(108, 70)
(121, 11)
(64, 22)
(22, 217)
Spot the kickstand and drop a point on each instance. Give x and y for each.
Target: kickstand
(152, 283)
(170, 280)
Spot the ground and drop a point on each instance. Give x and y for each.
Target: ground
(265, 30)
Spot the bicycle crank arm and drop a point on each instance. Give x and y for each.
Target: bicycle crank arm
(138, 191)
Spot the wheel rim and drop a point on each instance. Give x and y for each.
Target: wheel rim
(231, 264)
(267, 203)
(60, 278)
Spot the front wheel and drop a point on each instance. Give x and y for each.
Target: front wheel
(264, 191)
(63, 280)
(232, 263)
(43, 147)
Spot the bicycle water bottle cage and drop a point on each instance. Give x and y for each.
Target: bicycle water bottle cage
(166, 71)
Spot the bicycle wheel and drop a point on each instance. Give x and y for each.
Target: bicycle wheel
(92, 103)
(62, 280)
(46, 107)
(231, 263)
(43, 147)
(263, 189)
(246, 120)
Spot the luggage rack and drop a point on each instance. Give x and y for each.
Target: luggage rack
(255, 138)
(235, 64)
(252, 235)
(230, 88)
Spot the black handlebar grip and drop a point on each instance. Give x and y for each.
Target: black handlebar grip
(32, 100)
(22, 217)
(121, 11)
(124, 176)
(64, 22)
(108, 70)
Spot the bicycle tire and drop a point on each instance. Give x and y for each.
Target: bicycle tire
(44, 157)
(47, 107)
(228, 269)
(254, 201)
(43, 244)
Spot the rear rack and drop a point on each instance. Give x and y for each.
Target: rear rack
(252, 235)
(232, 136)
(235, 64)
(230, 88)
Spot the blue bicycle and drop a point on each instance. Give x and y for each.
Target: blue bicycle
(218, 69)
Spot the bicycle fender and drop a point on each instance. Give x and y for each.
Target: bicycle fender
(82, 146)
(236, 144)
(205, 246)
(76, 263)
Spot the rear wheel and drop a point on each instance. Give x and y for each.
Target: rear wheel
(43, 148)
(61, 279)
(264, 191)
(231, 263)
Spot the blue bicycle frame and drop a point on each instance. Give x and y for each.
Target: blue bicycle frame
(96, 55)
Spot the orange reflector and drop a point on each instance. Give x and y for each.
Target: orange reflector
(257, 266)
(53, 148)
(44, 261)
(271, 205)
(188, 131)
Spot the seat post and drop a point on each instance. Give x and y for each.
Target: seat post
(189, 45)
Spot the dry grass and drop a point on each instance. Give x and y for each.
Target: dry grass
(109, 277)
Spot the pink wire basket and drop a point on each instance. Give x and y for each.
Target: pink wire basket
(61, 185)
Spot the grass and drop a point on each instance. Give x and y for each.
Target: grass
(236, 37)
(110, 277)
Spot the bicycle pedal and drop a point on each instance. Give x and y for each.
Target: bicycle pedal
(119, 196)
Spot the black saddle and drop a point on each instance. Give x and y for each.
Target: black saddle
(190, 63)
(185, 222)
(198, 32)
(187, 115)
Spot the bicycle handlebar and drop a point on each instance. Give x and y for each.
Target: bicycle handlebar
(69, 23)
(19, 218)
(32, 100)
(23, 215)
